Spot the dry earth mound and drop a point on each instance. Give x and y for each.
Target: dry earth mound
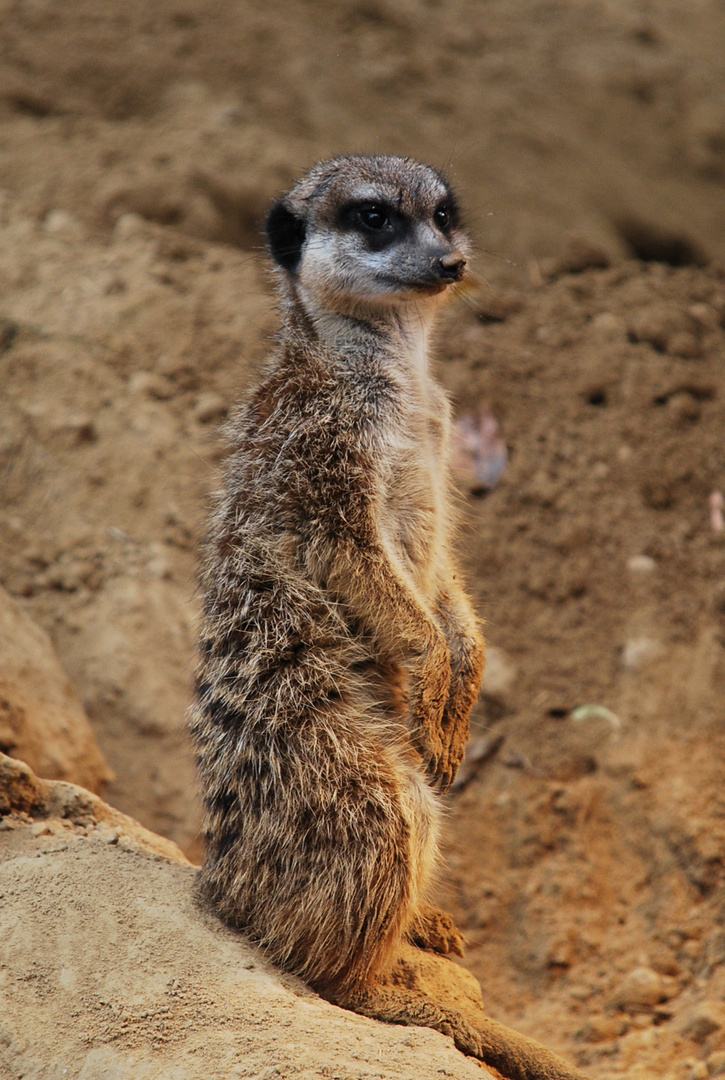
(41, 719)
(109, 967)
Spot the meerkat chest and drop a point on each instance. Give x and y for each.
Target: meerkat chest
(415, 488)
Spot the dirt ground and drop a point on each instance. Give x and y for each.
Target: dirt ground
(139, 149)
(141, 980)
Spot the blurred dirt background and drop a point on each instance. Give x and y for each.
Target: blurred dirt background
(139, 149)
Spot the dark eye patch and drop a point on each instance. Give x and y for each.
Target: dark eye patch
(380, 223)
(285, 236)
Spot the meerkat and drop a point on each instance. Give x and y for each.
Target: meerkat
(340, 655)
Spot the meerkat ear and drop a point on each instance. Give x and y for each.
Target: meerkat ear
(285, 236)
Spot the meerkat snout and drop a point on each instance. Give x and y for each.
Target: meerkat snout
(451, 267)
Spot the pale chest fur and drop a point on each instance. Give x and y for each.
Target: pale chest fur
(414, 511)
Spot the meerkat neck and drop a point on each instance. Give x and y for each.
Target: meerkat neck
(400, 333)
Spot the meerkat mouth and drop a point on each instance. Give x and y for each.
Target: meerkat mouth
(418, 287)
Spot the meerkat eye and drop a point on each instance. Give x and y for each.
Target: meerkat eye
(373, 217)
(442, 218)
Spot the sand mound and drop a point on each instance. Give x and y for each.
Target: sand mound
(41, 719)
(110, 968)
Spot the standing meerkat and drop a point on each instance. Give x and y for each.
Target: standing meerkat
(340, 656)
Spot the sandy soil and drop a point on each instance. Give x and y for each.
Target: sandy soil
(110, 967)
(138, 152)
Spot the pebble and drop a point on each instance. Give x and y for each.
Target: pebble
(210, 407)
(158, 565)
(706, 1019)
(154, 386)
(683, 407)
(608, 326)
(603, 1028)
(500, 673)
(637, 651)
(705, 315)
(684, 344)
(700, 1071)
(105, 833)
(81, 427)
(61, 222)
(641, 988)
(716, 1063)
(46, 828)
(129, 226)
(641, 564)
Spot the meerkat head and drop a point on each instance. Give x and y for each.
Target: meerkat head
(366, 234)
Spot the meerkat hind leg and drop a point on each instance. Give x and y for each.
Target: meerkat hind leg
(425, 990)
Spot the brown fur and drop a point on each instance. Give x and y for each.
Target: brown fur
(340, 656)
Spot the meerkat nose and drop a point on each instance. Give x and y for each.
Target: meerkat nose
(450, 267)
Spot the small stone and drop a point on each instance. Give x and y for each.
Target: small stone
(500, 673)
(705, 315)
(158, 564)
(641, 988)
(700, 1071)
(61, 222)
(105, 833)
(637, 651)
(683, 407)
(602, 1028)
(43, 828)
(81, 428)
(707, 1018)
(151, 385)
(128, 227)
(716, 1063)
(608, 326)
(641, 564)
(114, 285)
(210, 407)
(684, 344)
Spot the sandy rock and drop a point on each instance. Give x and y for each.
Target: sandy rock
(500, 673)
(638, 651)
(716, 1063)
(707, 1019)
(148, 384)
(52, 802)
(41, 719)
(641, 564)
(641, 988)
(602, 1027)
(210, 407)
(608, 327)
(667, 328)
(138, 979)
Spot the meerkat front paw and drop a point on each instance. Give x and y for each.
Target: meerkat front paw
(428, 704)
(455, 740)
(467, 672)
(434, 930)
